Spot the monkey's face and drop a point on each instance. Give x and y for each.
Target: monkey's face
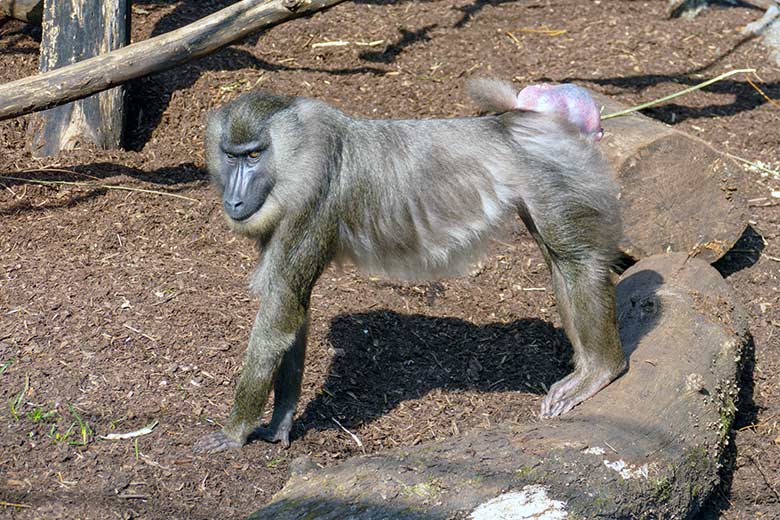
(245, 178)
(245, 181)
(240, 159)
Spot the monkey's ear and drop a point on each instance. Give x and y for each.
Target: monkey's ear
(210, 116)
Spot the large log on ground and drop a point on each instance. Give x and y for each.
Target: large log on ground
(75, 30)
(647, 446)
(677, 192)
(153, 55)
(25, 10)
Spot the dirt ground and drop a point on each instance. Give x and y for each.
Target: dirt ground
(123, 308)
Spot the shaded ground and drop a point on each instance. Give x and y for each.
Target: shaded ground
(120, 308)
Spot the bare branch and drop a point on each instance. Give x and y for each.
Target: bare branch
(163, 52)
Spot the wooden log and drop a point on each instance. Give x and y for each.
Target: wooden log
(74, 30)
(691, 8)
(677, 192)
(153, 55)
(29, 11)
(647, 446)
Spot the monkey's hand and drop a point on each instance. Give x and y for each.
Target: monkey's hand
(576, 387)
(216, 442)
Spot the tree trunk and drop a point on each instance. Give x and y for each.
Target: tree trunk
(25, 10)
(647, 446)
(74, 30)
(677, 193)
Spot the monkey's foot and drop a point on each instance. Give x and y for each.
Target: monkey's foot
(279, 429)
(575, 388)
(216, 442)
(278, 434)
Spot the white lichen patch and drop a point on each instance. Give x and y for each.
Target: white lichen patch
(594, 450)
(694, 383)
(532, 503)
(627, 471)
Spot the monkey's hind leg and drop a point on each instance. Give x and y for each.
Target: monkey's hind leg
(578, 253)
(586, 302)
(287, 390)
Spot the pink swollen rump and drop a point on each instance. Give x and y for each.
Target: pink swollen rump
(567, 100)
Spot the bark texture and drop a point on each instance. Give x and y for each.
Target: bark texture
(74, 30)
(647, 446)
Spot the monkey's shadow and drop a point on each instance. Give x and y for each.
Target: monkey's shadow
(383, 358)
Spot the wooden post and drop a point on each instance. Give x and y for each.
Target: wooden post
(74, 30)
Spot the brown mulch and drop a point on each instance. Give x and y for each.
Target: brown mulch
(120, 308)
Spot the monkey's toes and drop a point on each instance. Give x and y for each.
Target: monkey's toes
(571, 391)
(215, 442)
(274, 435)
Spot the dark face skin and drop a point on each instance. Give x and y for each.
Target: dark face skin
(245, 177)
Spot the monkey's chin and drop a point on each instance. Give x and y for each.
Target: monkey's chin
(261, 223)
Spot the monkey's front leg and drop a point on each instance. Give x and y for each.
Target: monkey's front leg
(269, 344)
(287, 390)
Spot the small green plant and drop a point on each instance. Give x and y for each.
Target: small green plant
(79, 433)
(273, 462)
(57, 437)
(16, 404)
(112, 424)
(83, 428)
(41, 415)
(6, 365)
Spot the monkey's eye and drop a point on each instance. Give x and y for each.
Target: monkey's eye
(230, 158)
(254, 154)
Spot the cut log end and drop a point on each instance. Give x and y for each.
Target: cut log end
(677, 193)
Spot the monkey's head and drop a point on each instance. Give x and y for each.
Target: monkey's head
(243, 143)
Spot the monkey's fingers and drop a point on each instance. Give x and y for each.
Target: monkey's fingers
(573, 389)
(215, 442)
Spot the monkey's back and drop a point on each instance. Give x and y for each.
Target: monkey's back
(421, 198)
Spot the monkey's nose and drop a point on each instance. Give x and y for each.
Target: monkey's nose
(234, 208)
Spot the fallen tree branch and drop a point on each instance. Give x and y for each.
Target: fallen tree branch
(163, 52)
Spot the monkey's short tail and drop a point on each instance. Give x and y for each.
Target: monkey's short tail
(492, 95)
